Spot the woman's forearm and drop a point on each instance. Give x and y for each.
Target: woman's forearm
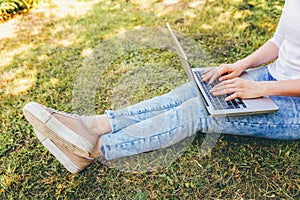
(281, 88)
(266, 53)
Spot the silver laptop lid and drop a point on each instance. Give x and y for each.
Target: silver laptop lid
(182, 56)
(184, 62)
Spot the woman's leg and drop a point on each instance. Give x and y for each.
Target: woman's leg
(182, 121)
(168, 119)
(159, 131)
(122, 118)
(80, 134)
(149, 108)
(284, 124)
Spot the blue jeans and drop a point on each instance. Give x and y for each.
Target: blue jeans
(165, 120)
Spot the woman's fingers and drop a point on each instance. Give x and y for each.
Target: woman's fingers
(208, 74)
(212, 74)
(208, 70)
(217, 73)
(223, 90)
(233, 93)
(228, 76)
(224, 85)
(223, 72)
(233, 96)
(227, 87)
(237, 87)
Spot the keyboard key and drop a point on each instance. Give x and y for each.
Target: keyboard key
(236, 105)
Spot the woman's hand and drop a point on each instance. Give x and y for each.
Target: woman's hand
(229, 71)
(238, 88)
(265, 54)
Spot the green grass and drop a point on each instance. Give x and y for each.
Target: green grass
(39, 61)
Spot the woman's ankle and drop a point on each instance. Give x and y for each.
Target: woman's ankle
(99, 124)
(97, 152)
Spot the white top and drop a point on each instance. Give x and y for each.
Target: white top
(287, 39)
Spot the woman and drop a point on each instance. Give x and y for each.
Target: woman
(77, 140)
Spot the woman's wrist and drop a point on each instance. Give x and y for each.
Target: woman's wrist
(243, 63)
(280, 88)
(264, 88)
(269, 88)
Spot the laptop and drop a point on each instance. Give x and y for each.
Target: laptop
(216, 105)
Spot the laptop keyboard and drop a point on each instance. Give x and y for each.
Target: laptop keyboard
(219, 102)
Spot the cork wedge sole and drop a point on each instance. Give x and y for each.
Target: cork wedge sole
(52, 128)
(57, 153)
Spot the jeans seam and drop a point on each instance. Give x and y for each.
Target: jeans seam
(116, 115)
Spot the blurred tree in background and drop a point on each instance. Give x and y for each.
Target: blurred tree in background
(10, 8)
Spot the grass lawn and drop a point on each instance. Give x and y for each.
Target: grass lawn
(42, 54)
